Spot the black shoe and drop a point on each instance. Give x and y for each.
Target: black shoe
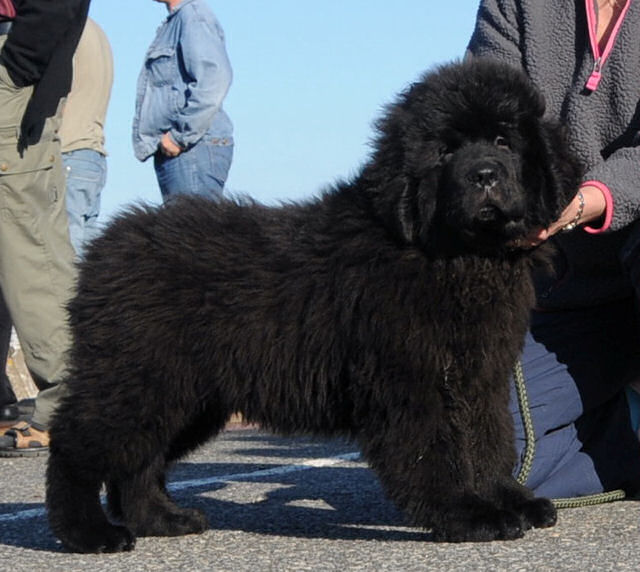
(9, 413)
(26, 407)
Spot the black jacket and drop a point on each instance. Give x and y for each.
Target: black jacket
(39, 51)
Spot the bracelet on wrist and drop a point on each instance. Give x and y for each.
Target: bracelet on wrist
(576, 220)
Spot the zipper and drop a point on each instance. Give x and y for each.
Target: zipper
(596, 75)
(599, 59)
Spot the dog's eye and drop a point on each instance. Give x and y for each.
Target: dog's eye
(502, 142)
(446, 153)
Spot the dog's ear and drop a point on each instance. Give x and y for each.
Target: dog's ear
(406, 212)
(562, 171)
(407, 207)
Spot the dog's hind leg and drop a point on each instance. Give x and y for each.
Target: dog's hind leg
(206, 425)
(75, 513)
(140, 499)
(147, 509)
(114, 502)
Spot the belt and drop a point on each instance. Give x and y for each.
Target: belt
(5, 27)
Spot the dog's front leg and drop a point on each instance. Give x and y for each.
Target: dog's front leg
(535, 512)
(428, 476)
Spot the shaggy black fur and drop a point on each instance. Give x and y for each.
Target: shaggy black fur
(391, 310)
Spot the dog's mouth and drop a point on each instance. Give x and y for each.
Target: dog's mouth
(492, 219)
(493, 228)
(489, 214)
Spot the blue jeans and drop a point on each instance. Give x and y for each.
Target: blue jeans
(86, 174)
(201, 170)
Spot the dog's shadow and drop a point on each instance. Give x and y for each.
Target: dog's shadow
(333, 503)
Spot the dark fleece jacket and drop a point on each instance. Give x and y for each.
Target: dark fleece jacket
(550, 39)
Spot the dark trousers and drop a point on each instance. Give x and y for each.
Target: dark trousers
(577, 364)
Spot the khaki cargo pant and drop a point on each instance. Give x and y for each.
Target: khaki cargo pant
(36, 257)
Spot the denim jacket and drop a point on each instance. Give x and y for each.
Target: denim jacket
(184, 79)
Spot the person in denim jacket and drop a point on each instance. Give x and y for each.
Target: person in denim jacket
(179, 118)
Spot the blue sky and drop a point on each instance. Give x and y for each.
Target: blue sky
(309, 79)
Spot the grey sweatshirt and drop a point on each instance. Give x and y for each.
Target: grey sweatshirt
(598, 96)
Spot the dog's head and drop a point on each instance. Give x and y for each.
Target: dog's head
(465, 160)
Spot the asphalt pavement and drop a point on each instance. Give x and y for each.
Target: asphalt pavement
(278, 504)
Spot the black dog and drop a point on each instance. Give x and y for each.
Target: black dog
(391, 310)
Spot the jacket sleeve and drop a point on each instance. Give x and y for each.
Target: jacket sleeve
(206, 63)
(619, 175)
(497, 32)
(37, 29)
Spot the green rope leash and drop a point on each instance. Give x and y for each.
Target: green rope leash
(530, 451)
(589, 500)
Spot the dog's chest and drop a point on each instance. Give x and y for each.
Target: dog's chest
(476, 289)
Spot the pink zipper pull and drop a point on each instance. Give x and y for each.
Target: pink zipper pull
(600, 58)
(595, 77)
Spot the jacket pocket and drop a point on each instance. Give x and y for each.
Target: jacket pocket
(161, 65)
(33, 158)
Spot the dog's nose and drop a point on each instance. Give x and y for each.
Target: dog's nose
(484, 177)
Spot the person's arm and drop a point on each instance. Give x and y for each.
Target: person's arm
(206, 63)
(37, 29)
(496, 33)
(610, 187)
(590, 208)
(617, 177)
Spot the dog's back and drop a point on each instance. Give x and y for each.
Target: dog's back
(238, 300)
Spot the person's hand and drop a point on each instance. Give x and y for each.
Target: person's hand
(593, 208)
(168, 147)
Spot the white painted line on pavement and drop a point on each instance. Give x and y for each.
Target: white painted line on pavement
(22, 514)
(281, 470)
(180, 485)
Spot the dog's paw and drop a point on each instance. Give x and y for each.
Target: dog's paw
(492, 525)
(539, 513)
(177, 522)
(97, 539)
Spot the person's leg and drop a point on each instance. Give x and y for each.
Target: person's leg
(219, 158)
(91, 225)
(9, 411)
(202, 170)
(630, 258)
(36, 256)
(42, 282)
(633, 395)
(85, 171)
(576, 365)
